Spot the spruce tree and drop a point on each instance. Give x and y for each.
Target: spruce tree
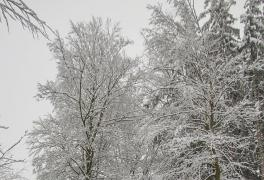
(219, 26)
(253, 56)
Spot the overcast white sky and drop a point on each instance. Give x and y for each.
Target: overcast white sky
(25, 61)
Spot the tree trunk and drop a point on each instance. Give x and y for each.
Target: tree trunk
(261, 153)
(217, 170)
(89, 155)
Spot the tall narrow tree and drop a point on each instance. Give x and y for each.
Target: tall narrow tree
(219, 26)
(253, 56)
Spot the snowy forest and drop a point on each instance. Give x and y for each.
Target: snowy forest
(190, 108)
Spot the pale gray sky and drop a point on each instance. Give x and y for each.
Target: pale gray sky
(26, 61)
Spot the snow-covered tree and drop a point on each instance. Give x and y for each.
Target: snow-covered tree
(253, 56)
(82, 138)
(7, 160)
(18, 10)
(253, 21)
(200, 131)
(219, 26)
